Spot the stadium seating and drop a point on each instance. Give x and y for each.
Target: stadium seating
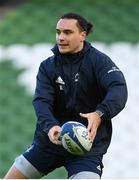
(25, 28)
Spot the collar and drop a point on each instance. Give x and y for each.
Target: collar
(71, 57)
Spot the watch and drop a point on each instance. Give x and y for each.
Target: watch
(100, 113)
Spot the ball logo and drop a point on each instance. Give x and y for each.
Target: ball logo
(68, 143)
(85, 135)
(75, 138)
(71, 146)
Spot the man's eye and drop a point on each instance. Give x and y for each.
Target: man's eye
(57, 32)
(68, 32)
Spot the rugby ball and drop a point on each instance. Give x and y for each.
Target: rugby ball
(75, 138)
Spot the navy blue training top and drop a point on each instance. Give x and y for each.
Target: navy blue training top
(68, 84)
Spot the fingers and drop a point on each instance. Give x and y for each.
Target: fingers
(92, 134)
(84, 115)
(55, 138)
(54, 134)
(55, 141)
(91, 130)
(93, 123)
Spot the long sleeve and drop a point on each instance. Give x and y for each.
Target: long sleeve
(44, 98)
(112, 81)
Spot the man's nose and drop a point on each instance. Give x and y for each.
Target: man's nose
(61, 36)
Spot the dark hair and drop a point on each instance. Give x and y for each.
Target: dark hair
(82, 23)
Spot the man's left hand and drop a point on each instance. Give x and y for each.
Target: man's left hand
(94, 121)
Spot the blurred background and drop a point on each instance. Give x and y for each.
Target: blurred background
(27, 34)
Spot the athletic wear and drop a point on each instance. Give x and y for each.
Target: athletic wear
(26, 168)
(68, 84)
(37, 161)
(85, 175)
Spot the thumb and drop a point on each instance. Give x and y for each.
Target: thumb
(84, 115)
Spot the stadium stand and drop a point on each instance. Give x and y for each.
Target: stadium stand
(27, 31)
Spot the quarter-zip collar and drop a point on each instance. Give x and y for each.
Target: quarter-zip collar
(71, 57)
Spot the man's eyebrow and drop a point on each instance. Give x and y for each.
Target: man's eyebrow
(65, 30)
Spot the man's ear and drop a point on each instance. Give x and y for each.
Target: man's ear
(83, 35)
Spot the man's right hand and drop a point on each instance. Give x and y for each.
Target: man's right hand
(54, 134)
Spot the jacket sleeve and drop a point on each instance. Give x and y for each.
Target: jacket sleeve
(111, 80)
(44, 99)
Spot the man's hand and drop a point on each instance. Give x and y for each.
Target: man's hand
(54, 134)
(94, 121)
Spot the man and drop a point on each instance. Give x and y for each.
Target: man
(79, 83)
